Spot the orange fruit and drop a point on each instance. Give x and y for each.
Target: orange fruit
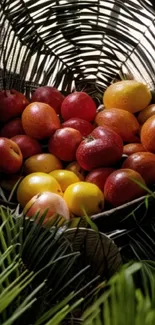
(65, 178)
(36, 183)
(146, 113)
(44, 162)
(148, 134)
(40, 120)
(122, 122)
(131, 148)
(130, 95)
(84, 197)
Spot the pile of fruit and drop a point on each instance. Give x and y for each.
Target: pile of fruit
(71, 158)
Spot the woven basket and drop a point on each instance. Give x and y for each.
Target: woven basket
(82, 45)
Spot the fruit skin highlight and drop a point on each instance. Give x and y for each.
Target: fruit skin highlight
(40, 120)
(120, 187)
(36, 183)
(129, 95)
(84, 198)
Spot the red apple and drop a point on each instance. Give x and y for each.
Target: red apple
(78, 104)
(12, 103)
(27, 145)
(83, 126)
(105, 133)
(53, 203)
(48, 95)
(64, 143)
(103, 148)
(99, 176)
(12, 128)
(120, 187)
(144, 164)
(11, 156)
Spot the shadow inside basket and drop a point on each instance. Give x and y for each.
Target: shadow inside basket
(128, 215)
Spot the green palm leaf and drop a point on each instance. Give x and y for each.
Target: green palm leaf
(40, 267)
(20, 288)
(123, 301)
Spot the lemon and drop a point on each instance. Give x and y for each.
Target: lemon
(84, 197)
(65, 178)
(130, 95)
(36, 183)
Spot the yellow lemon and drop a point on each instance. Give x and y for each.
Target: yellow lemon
(84, 197)
(36, 183)
(130, 95)
(65, 178)
(43, 162)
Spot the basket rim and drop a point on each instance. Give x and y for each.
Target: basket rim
(104, 214)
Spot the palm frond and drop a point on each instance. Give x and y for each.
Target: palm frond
(16, 282)
(12, 298)
(126, 300)
(136, 244)
(20, 289)
(50, 265)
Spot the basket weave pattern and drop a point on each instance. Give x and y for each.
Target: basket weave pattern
(75, 44)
